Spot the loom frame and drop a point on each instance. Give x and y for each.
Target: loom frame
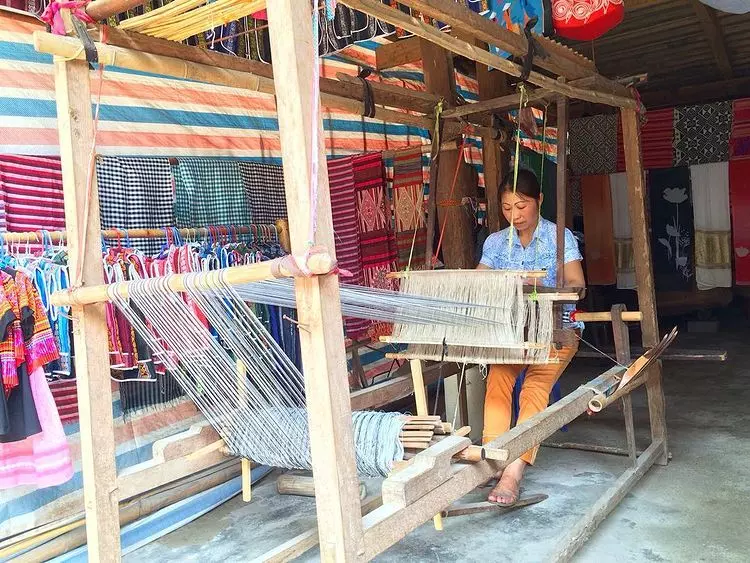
(343, 533)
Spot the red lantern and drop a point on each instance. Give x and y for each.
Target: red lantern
(586, 20)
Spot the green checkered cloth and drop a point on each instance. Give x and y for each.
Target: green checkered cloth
(209, 192)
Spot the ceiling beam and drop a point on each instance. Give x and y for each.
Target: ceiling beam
(697, 94)
(712, 30)
(398, 53)
(561, 59)
(398, 18)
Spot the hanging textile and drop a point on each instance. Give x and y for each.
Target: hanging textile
(739, 142)
(264, 189)
(574, 196)
(701, 133)
(513, 15)
(586, 20)
(209, 192)
(593, 144)
(598, 230)
(43, 459)
(408, 207)
(713, 255)
(136, 193)
(623, 237)
(35, 7)
(657, 146)
(739, 194)
(377, 245)
(346, 234)
(32, 189)
(672, 237)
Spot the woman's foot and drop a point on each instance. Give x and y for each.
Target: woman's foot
(506, 491)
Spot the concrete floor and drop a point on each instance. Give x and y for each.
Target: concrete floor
(693, 510)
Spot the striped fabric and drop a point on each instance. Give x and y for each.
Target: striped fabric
(657, 144)
(346, 234)
(739, 140)
(32, 190)
(409, 209)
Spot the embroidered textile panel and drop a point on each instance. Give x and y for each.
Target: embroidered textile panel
(701, 133)
(136, 193)
(672, 236)
(739, 194)
(593, 144)
(209, 192)
(598, 230)
(408, 209)
(346, 233)
(264, 189)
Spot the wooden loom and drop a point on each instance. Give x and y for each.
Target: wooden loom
(413, 496)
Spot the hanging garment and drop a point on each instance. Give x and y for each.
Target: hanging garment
(209, 192)
(513, 15)
(672, 236)
(657, 146)
(701, 133)
(408, 208)
(32, 189)
(593, 144)
(598, 230)
(377, 245)
(346, 234)
(739, 194)
(575, 202)
(42, 460)
(713, 239)
(623, 237)
(739, 141)
(264, 189)
(586, 20)
(136, 193)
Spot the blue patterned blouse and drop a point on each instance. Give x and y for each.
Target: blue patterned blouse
(540, 254)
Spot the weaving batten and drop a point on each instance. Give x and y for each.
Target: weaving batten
(263, 418)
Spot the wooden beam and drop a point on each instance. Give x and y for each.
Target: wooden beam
(404, 21)
(562, 185)
(388, 524)
(76, 129)
(458, 245)
(318, 301)
(644, 273)
(582, 530)
(561, 60)
(494, 158)
(712, 30)
(398, 53)
(500, 104)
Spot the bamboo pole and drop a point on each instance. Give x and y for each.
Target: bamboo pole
(606, 316)
(318, 264)
(71, 48)
(102, 9)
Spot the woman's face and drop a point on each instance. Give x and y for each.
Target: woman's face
(519, 210)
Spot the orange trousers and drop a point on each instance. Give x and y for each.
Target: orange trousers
(537, 385)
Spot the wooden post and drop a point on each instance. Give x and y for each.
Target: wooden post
(622, 353)
(562, 184)
(458, 245)
(420, 398)
(247, 484)
(644, 273)
(76, 129)
(491, 85)
(318, 301)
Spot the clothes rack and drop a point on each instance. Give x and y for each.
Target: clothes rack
(280, 229)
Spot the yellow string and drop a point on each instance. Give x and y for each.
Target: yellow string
(523, 98)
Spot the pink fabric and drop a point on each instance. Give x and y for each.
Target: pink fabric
(43, 459)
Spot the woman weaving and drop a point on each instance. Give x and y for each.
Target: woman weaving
(531, 246)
